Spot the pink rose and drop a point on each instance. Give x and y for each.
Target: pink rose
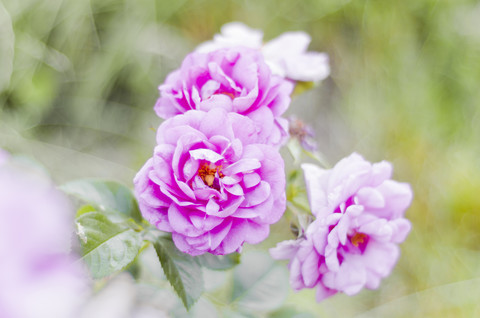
(211, 183)
(236, 80)
(353, 243)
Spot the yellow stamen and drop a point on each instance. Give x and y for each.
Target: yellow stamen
(209, 179)
(229, 95)
(208, 174)
(358, 239)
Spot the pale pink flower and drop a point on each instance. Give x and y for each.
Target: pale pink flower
(353, 243)
(286, 55)
(39, 278)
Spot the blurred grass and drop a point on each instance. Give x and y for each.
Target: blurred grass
(79, 79)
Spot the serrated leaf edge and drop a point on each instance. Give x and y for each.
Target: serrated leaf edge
(105, 241)
(183, 296)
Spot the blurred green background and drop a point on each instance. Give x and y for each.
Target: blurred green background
(78, 80)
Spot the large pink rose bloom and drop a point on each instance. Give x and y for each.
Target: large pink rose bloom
(210, 183)
(234, 79)
(353, 243)
(39, 278)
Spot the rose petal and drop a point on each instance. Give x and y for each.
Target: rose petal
(180, 222)
(242, 166)
(258, 195)
(251, 179)
(285, 249)
(205, 154)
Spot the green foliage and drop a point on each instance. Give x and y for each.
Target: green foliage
(106, 196)
(7, 40)
(260, 283)
(85, 209)
(107, 247)
(229, 313)
(109, 236)
(182, 271)
(289, 312)
(218, 262)
(111, 239)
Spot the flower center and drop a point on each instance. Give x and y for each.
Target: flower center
(297, 129)
(226, 91)
(359, 238)
(360, 241)
(229, 95)
(210, 175)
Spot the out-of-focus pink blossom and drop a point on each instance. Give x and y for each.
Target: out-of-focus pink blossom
(211, 183)
(286, 55)
(303, 133)
(236, 80)
(39, 279)
(3, 156)
(353, 243)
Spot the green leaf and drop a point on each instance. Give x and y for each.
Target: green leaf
(229, 313)
(182, 271)
(293, 175)
(7, 47)
(218, 262)
(289, 312)
(202, 309)
(105, 195)
(260, 284)
(85, 209)
(107, 247)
